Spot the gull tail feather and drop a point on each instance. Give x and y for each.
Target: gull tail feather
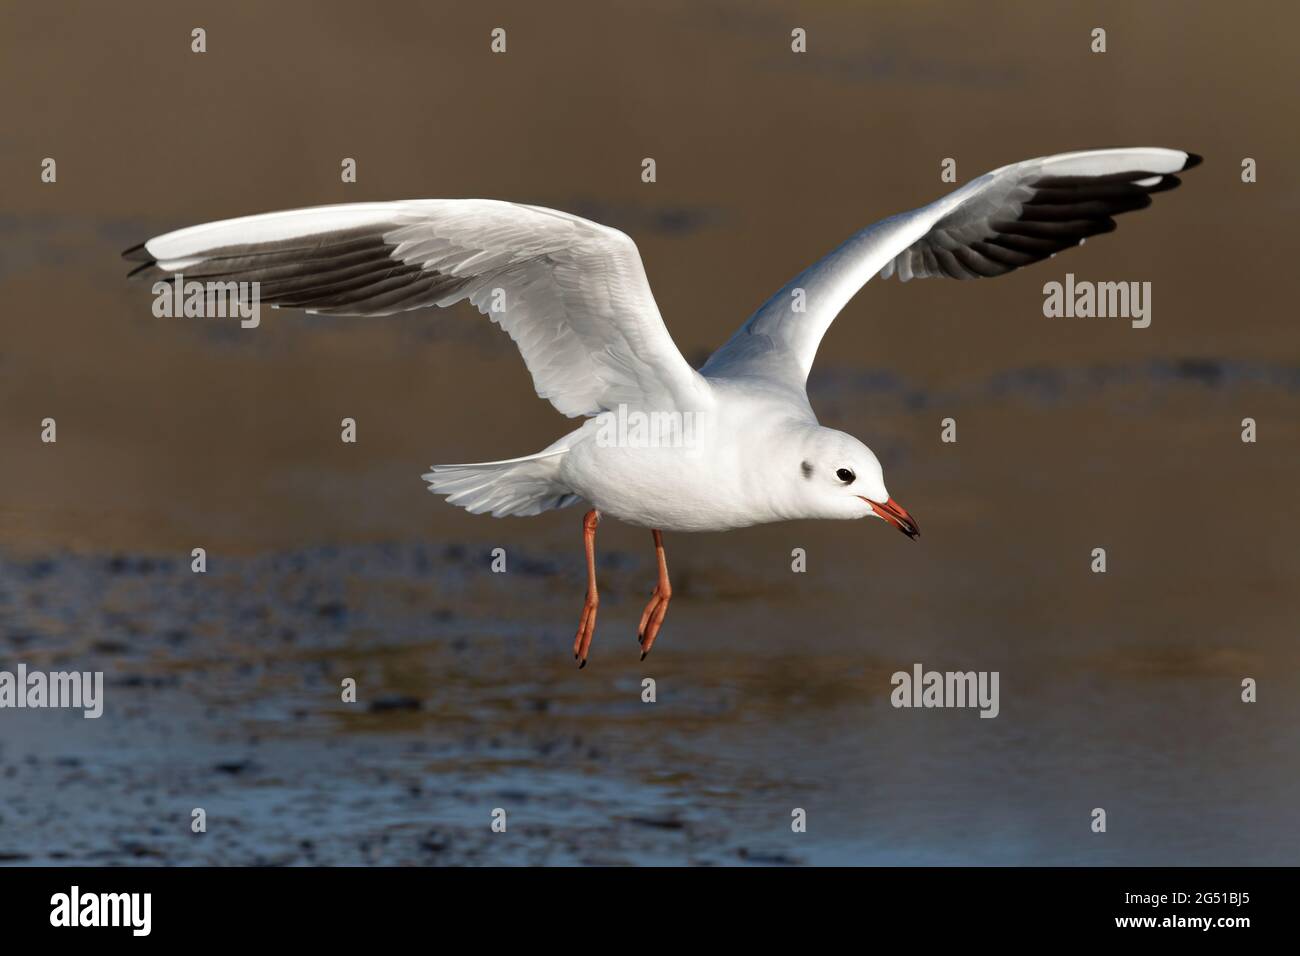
(517, 486)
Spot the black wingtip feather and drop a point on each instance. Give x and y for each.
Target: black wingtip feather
(1193, 159)
(147, 270)
(138, 254)
(1166, 183)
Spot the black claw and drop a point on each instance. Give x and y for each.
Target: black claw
(583, 664)
(643, 654)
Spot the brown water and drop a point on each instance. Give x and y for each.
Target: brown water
(327, 561)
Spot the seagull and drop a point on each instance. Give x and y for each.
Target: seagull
(732, 444)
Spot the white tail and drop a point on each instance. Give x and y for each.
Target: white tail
(518, 486)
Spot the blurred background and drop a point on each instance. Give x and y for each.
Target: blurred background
(326, 560)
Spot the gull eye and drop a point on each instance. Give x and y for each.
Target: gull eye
(845, 476)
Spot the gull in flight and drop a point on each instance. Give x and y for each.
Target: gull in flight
(733, 444)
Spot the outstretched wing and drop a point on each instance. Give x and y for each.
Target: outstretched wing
(572, 294)
(999, 222)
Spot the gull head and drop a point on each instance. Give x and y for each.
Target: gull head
(836, 476)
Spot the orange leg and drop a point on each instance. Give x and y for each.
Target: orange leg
(653, 616)
(587, 625)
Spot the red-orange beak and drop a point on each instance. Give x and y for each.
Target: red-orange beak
(896, 515)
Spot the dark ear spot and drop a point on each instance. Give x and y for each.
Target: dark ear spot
(807, 469)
